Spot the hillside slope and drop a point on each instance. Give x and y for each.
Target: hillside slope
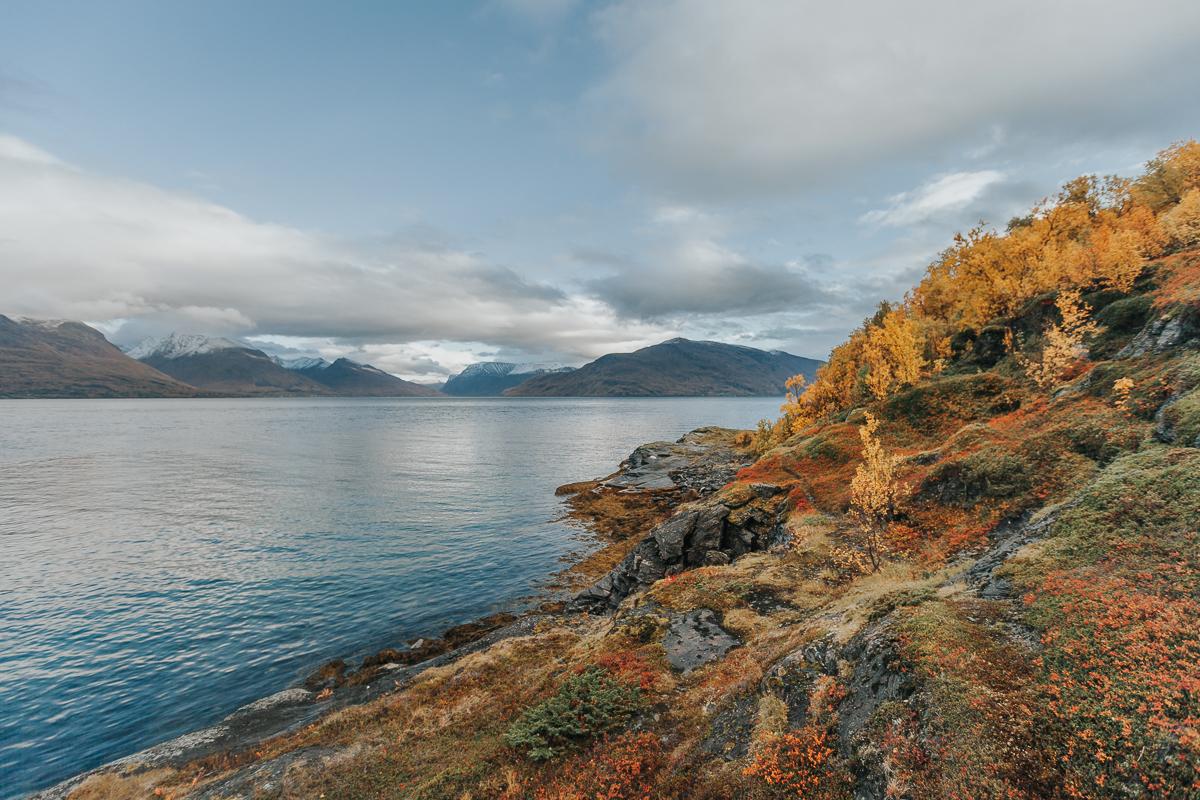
(675, 368)
(69, 359)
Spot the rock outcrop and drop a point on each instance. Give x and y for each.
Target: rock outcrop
(713, 531)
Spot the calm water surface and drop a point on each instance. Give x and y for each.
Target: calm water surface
(163, 562)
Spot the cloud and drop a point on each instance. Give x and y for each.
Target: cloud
(83, 246)
(18, 150)
(933, 199)
(707, 98)
(697, 276)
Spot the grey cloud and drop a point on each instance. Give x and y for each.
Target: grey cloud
(699, 277)
(707, 98)
(83, 246)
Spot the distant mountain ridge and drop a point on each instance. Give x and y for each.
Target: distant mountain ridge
(228, 366)
(490, 378)
(56, 358)
(51, 358)
(301, 362)
(676, 368)
(223, 366)
(349, 378)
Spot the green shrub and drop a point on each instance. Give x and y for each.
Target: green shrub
(585, 706)
(986, 475)
(1119, 321)
(1181, 420)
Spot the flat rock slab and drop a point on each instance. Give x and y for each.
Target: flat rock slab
(702, 461)
(695, 639)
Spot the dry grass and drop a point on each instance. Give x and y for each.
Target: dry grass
(118, 786)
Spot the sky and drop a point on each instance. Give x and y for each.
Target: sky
(425, 185)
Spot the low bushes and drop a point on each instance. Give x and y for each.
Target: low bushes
(587, 705)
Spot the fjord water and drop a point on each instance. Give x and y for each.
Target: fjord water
(163, 562)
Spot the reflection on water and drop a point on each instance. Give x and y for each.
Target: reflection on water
(165, 561)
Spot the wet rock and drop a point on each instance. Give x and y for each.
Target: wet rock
(764, 601)
(1006, 539)
(470, 631)
(327, 676)
(263, 778)
(672, 534)
(695, 639)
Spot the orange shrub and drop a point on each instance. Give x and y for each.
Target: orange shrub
(802, 764)
(622, 768)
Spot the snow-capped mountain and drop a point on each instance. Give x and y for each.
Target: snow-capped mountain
(488, 378)
(301, 363)
(177, 345)
(223, 365)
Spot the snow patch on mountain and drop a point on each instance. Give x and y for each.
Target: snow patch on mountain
(301, 362)
(180, 345)
(44, 324)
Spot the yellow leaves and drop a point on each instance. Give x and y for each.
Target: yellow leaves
(1122, 387)
(894, 354)
(1169, 175)
(1182, 223)
(1095, 233)
(1063, 343)
(875, 493)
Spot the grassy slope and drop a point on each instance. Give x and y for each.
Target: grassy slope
(1074, 677)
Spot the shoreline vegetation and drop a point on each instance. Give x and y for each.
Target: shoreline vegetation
(961, 563)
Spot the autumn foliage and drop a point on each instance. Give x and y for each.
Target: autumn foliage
(875, 492)
(1063, 343)
(1097, 233)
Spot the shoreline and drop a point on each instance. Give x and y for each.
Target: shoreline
(616, 511)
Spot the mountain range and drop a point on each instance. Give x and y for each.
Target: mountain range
(346, 377)
(225, 366)
(41, 358)
(490, 378)
(675, 368)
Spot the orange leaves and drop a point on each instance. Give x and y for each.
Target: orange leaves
(632, 668)
(1181, 281)
(1119, 677)
(622, 768)
(802, 764)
